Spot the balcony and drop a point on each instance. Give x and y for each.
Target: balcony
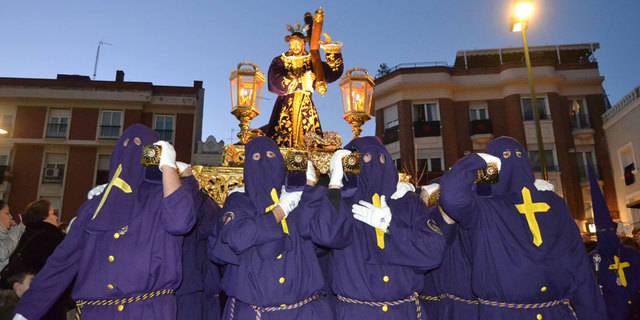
(57, 130)
(581, 127)
(426, 128)
(391, 135)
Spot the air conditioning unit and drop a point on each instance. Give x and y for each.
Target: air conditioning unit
(52, 172)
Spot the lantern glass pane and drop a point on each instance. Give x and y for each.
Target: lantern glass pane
(358, 95)
(234, 92)
(369, 98)
(346, 103)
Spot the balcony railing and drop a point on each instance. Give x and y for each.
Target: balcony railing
(622, 104)
(109, 132)
(56, 130)
(481, 126)
(580, 121)
(426, 128)
(391, 135)
(165, 134)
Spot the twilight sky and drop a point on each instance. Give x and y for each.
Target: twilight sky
(176, 42)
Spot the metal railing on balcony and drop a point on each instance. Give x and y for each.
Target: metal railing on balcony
(391, 135)
(622, 104)
(580, 121)
(480, 126)
(57, 130)
(165, 134)
(109, 132)
(426, 128)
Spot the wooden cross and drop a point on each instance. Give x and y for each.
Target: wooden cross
(529, 208)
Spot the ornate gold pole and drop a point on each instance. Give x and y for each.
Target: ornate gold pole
(356, 120)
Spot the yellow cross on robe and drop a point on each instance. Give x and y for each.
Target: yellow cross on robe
(118, 183)
(379, 232)
(620, 267)
(529, 208)
(276, 200)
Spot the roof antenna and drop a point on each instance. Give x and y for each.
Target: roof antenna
(95, 66)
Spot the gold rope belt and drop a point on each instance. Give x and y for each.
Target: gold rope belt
(384, 305)
(539, 305)
(259, 310)
(119, 302)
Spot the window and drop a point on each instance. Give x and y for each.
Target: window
(164, 126)
(549, 158)
(583, 157)
(102, 173)
(579, 114)
(478, 112)
(6, 123)
(390, 117)
(110, 124)
(627, 164)
(54, 168)
(527, 109)
(58, 123)
(430, 165)
(423, 112)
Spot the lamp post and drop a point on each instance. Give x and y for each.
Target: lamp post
(356, 87)
(246, 90)
(520, 22)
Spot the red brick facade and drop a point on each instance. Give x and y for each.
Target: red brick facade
(83, 124)
(31, 120)
(80, 173)
(26, 169)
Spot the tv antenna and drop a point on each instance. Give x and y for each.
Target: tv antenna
(95, 65)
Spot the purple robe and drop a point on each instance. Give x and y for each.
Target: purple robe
(367, 276)
(266, 267)
(452, 279)
(509, 263)
(285, 80)
(198, 297)
(131, 247)
(619, 267)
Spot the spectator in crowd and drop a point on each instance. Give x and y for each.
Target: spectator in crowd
(10, 234)
(38, 242)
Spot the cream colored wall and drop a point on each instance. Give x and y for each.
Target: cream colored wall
(621, 131)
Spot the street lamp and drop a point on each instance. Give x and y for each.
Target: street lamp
(357, 93)
(520, 22)
(246, 91)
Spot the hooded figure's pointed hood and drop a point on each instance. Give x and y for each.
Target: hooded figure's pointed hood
(379, 175)
(608, 241)
(126, 174)
(515, 171)
(264, 170)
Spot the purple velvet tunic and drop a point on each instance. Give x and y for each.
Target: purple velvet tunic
(132, 247)
(507, 266)
(365, 272)
(451, 279)
(619, 267)
(266, 267)
(198, 297)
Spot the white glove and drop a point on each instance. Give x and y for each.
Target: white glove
(182, 166)
(238, 189)
(96, 191)
(543, 185)
(430, 188)
(289, 200)
(336, 171)
(379, 218)
(402, 189)
(311, 172)
(167, 156)
(489, 158)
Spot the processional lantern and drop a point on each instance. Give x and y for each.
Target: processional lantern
(357, 95)
(246, 91)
